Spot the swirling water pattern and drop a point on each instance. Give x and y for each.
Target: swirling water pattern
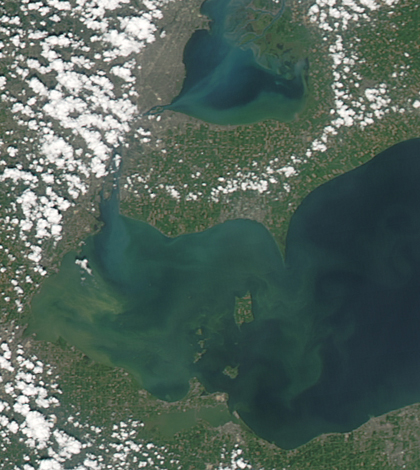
(335, 334)
(228, 80)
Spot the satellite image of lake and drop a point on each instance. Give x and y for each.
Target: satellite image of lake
(334, 337)
(209, 234)
(229, 79)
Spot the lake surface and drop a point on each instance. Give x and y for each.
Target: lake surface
(334, 336)
(245, 68)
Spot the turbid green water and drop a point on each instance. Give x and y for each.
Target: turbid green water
(335, 334)
(170, 423)
(230, 77)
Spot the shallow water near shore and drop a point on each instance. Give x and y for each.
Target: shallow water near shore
(334, 337)
(230, 79)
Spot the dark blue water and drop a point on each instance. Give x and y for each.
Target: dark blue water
(227, 81)
(335, 335)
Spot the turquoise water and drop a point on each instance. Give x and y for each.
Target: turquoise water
(228, 79)
(335, 335)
